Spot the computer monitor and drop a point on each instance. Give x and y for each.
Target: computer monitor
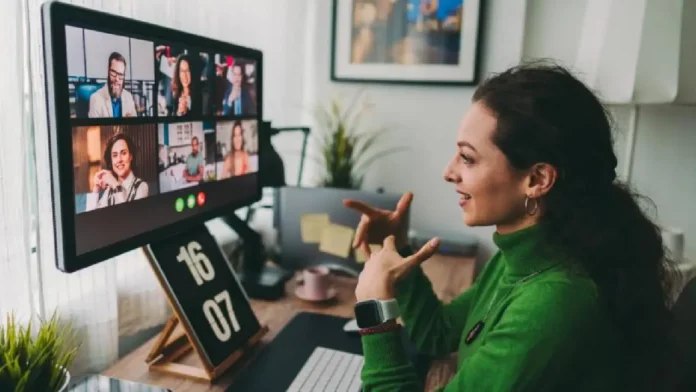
(151, 130)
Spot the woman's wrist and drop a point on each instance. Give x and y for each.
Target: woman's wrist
(388, 326)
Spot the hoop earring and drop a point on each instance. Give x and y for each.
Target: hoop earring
(526, 206)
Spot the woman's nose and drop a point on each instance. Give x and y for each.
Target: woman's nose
(449, 175)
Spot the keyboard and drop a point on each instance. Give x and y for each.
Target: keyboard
(329, 370)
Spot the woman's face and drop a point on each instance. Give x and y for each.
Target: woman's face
(490, 190)
(121, 159)
(185, 73)
(237, 138)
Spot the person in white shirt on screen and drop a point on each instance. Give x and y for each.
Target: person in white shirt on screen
(113, 100)
(117, 183)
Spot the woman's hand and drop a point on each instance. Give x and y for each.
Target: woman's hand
(109, 180)
(183, 105)
(386, 267)
(236, 92)
(377, 224)
(97, 179)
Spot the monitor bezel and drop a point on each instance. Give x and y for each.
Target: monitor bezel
(55, 16)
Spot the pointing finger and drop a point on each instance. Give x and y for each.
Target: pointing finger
(360, 232)
(404, 203)
(389, 243)
(424, 253)
(366, 248)
(360, 206)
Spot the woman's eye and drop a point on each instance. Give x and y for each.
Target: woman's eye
(466, 158)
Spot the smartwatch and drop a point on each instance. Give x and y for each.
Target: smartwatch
(374, 312)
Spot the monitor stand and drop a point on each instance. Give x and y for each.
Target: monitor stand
(259, 279)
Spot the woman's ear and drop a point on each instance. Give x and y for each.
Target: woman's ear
(541, 178)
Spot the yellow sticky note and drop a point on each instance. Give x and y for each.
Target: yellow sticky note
(336, 240)
(361, 257)
(312, 225)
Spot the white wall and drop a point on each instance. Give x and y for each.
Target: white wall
(664, 167)
(426, 118)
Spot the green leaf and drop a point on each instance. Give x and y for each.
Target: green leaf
(345, 144)
(35, 363)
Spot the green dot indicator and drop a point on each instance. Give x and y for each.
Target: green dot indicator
(179, 205)
(191, 201)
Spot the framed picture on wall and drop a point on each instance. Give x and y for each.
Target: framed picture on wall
(406, 41)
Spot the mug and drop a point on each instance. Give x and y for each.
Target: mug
(316, 282)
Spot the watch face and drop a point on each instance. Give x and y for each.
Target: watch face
(367, 314)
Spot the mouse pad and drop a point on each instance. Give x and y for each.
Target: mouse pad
(276, 366)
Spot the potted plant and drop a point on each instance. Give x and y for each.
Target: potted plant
(347, 142)
(35, 360)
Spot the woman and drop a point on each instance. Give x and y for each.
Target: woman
(184, 88)
(578, 295)
(237, 160)
(117, 183)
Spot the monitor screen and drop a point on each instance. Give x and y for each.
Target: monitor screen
(152, 131)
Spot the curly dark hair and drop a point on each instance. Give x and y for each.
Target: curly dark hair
(177, 87)
(545, 114)
(110, 144)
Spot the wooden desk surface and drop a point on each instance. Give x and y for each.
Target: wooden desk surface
(449, 276)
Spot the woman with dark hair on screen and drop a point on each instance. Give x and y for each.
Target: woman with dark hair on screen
(185, 87)
(578, 294)
(237, 160)
(117, 183)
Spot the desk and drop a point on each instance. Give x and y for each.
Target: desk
(449, 276)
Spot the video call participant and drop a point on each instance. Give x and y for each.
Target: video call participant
(184, 88)
(237, 160)
(117, 183)
(193, 172)
(113, 100)
(237, 99)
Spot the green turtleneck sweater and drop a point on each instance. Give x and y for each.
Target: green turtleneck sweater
(548, 333)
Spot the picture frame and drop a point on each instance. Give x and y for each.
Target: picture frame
(404, 42)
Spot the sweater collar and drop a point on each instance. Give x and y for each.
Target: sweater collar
(524, 251)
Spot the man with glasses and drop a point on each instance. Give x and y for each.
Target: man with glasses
(113, 100)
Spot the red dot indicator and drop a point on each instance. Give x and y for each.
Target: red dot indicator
(200, 198)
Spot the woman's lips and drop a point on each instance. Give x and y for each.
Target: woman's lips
(464, 198)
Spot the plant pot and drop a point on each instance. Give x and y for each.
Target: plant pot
(66, 382)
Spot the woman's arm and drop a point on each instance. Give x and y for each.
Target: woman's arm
(93, 202)
(434, 327)
(245, 168)
(143, 191)
(531, 348)
(386, 366)
(227, 167)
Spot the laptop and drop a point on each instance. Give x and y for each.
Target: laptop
(313, 353)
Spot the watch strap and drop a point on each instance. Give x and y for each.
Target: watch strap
(389, 309)
(389, 326)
